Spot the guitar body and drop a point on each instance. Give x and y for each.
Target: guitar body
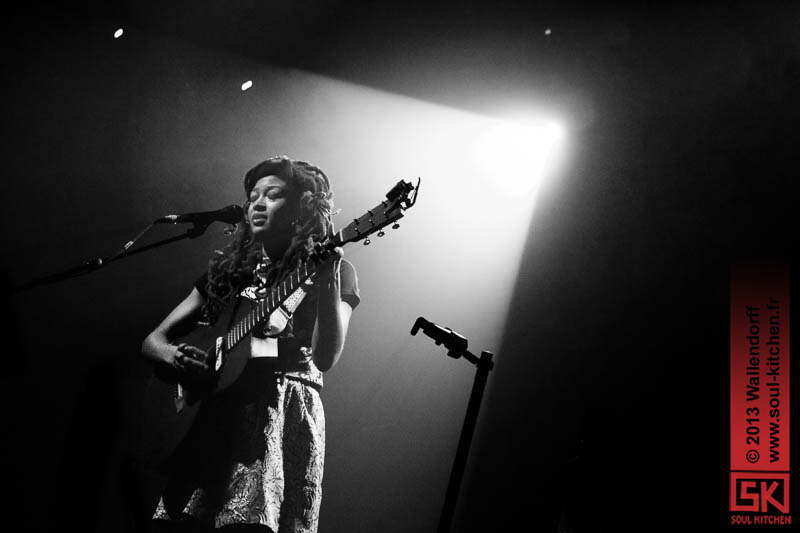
(167, 418)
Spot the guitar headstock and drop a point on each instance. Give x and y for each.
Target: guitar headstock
(401, 197)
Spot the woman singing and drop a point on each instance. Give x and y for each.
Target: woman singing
(254, 458)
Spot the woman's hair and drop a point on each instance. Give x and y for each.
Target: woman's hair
(230, 270)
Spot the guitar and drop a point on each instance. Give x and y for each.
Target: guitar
(171, 406)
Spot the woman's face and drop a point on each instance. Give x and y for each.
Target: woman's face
(272, 210)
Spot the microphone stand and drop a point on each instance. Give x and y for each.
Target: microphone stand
(92, 265)
(457, 347)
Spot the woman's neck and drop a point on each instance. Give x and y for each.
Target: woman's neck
(274, 251)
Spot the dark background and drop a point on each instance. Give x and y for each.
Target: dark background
(608, 405)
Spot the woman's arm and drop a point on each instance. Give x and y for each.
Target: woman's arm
(158, 345)
(333, 317)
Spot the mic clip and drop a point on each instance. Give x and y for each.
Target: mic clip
(455, 343)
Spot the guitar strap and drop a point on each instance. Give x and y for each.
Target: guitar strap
(276, 324)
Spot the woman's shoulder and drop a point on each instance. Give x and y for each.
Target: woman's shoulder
(349, 283)
(347, 265)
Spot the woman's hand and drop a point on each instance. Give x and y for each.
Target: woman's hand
(158, 345)
(328, 268)
(190, 362)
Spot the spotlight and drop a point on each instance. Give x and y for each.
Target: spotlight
(246, 85)
(516, 157)
(118, 33)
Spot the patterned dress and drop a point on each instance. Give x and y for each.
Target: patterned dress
(255, 455)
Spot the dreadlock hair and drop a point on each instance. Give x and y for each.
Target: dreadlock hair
(230, 270)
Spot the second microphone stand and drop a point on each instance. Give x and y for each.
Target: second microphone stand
(457, 347)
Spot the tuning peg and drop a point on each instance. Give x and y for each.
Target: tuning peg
(381, 233)
(395, 225)
(367, 242)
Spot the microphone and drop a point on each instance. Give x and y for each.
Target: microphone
(231, 214)
(455, 343)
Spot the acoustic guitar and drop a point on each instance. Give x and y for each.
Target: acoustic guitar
(170, 406)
